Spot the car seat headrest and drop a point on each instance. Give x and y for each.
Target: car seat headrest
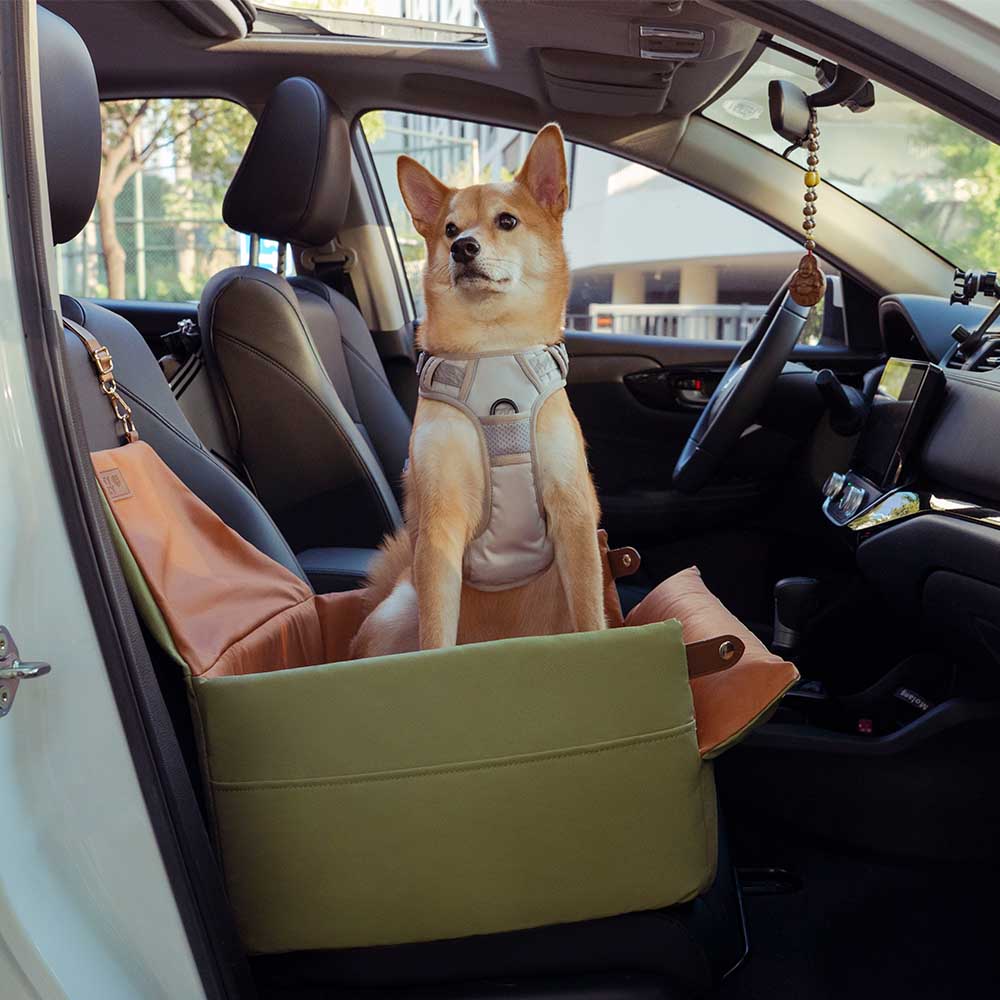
(71, 124)
(295, 178)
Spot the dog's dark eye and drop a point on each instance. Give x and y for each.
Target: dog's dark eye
(451, 230)
(506, 221)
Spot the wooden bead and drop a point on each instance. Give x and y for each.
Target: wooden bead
(811, 195)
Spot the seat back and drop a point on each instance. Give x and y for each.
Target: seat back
(306, 403)
(72, 136)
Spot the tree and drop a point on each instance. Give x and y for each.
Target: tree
(207, 135)
(955, 207)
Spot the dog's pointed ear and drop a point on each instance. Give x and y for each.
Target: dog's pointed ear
(423, 193)
(544, 170)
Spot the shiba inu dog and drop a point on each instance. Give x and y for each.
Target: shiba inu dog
(501, 513)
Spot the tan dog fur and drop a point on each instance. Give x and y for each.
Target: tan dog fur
(516, 299)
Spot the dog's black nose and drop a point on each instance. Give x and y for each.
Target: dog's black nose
(464, 249)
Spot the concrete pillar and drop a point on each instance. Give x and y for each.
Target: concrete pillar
(628, 287)
(699, 285)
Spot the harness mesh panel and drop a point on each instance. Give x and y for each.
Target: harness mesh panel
(509, 437)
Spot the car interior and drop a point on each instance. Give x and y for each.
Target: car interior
(839, 496)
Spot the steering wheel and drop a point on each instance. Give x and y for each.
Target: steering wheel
(742, 391)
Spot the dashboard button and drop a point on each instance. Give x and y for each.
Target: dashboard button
(834, 484)
(851, 500)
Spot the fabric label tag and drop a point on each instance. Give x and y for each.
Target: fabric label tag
(114, 483)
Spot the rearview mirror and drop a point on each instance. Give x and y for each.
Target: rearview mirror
(789, 108)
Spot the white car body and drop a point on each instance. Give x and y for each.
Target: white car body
(86, 910)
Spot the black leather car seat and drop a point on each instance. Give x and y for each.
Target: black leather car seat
(304, 397)
(72, 136)
(659, 955)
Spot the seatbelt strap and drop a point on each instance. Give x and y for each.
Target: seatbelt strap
(105, 366)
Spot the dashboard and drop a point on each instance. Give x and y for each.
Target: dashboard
(905, 400)
(920, 500)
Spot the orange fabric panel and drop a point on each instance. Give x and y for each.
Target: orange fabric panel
(340, 617)
(213, 588)
(725, 703)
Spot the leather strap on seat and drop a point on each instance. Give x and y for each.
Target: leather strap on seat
(105, 366)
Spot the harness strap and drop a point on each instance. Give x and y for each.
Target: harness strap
(560, 355)
(105, 366)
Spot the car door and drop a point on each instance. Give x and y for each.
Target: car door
(86, 905)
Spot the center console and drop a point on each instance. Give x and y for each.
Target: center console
(907, 395)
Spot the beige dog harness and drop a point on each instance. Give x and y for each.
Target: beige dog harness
(502, 394)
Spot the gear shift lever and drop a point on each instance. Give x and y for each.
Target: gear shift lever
(796, 599)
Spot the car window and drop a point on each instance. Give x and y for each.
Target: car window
(930, 176)
(157, 230)
(649, 254)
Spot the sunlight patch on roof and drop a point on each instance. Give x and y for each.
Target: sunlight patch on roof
(433, 22)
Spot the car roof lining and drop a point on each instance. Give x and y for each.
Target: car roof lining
(504, 78)
(501, 84)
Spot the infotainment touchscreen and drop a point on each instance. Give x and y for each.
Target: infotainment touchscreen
(906, 395)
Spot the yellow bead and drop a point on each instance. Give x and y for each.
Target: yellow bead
(812, 178)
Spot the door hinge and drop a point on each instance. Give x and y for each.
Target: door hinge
(13, 670)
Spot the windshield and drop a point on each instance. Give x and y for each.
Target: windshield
(934, 179)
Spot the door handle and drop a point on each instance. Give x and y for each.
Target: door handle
(13, 670)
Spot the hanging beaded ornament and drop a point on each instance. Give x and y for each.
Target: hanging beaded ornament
(808, 283)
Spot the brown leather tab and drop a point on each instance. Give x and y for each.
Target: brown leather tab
(114, 484)
(728, 702)
(624, 561)
(709, 656)
(612, 605)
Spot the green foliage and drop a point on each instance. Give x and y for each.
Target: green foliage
(186, 151)
(955, 207)
(373, 125)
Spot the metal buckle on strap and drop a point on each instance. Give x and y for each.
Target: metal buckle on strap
(102, 358)
(105, 366)
(421, 361)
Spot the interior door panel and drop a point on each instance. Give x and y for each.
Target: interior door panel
(152, 319)
(637, 399)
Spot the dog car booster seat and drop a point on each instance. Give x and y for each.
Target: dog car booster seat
(502, 394)
(437, 794)
(440, 794)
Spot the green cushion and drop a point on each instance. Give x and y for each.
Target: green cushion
(455, 792)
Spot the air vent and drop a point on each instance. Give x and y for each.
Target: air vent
(957, 359)
(988, 359)
(984, 358)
